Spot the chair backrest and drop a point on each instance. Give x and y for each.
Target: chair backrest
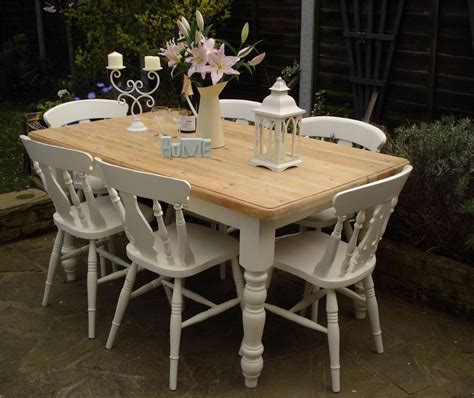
(344, 131)
(83, 111)
(241, 110)
(131, 184)
(54, 165)
(378, 200)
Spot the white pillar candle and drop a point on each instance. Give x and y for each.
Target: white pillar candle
(152, 63)
(115, 60)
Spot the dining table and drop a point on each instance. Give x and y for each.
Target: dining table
(228, 189)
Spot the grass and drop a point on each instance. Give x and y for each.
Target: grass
(12, 176)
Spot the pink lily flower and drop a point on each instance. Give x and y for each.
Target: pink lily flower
(198, 60)
(172, 52)
(220, 65)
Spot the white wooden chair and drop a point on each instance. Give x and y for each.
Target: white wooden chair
(240, 110)
(331, 265)
(85, 111)
(94, 220)
(174, 251)
(346, 132)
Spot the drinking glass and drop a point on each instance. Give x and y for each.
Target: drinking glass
(175, 115)
(160, 114)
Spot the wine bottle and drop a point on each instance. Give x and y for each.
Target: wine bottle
(187, 121)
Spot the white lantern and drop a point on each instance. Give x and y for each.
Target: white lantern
(277, 130)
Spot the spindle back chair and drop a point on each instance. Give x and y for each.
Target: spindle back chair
(177, 250)
(344, 131)
(83, 111)
(330, 264)
(93, 219)
(240, 110)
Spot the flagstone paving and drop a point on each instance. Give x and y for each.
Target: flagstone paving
(45, 352)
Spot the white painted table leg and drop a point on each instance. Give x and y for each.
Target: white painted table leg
(70, 265)
(253, 317)
(257, 242)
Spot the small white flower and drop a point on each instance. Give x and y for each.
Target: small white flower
(63, 92)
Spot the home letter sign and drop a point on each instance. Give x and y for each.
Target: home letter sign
(185, 148)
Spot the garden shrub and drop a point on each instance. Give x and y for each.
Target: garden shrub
(23, 77)
(134, 28)
(436, 207)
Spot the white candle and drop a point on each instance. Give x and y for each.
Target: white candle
(115, 60)
(152, 63)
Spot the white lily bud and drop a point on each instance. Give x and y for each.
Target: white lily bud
(186, 24)
(182, 29)
(258, 59)
(199, 20)
(245, 51)
(245, 33)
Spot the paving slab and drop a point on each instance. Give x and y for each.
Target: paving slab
(45, 352)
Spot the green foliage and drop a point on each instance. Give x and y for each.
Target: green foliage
(22, 76)
(12, 125)
(436, 207)
(319, 104)
(291, 74)
(134, 28)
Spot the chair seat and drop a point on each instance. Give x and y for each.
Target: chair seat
(322, 219)
(209, 247)
(299, 254)
(111, 217)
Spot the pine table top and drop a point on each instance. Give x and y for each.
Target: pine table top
(227, 178)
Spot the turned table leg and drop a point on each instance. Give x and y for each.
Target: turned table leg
(256, 256)
(253, 317)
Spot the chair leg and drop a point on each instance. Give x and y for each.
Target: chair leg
(238, 278)
(112, 250)
(333, 339)
(360, 309)
(175, 332)
(222, 270)
(373, 311)
(92, 286)
(103, 269)
(308, 288)
(122, 303)
(53, 266)
(315, 306)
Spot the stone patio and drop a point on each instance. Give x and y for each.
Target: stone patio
(45, 351)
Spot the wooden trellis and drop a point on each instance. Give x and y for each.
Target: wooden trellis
(370, 47)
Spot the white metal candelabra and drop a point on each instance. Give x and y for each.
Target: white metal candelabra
(135, 93)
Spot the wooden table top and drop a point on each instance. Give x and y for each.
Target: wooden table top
(227, 178)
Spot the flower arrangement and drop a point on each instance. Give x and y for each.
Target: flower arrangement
(203, 59)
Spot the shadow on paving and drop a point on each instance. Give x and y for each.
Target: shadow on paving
(45, 351)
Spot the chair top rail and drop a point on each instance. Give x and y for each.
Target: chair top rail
(81, 110)
(53, 164)
(238, 109)
(349, 130)
(58, 157)
(147, 185)
(370, 195)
